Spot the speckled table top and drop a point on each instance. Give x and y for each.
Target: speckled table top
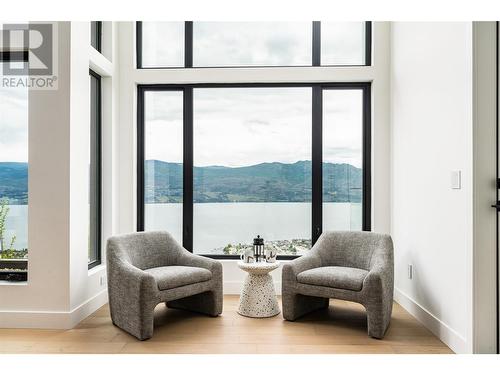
(258, 267)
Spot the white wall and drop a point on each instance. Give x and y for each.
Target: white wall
(61, 290)
(432, 132)
(87, 288)
(47, 288)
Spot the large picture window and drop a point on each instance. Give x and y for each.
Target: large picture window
(220, 164)
(94, 162)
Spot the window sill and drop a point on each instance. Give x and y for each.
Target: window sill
(97, 269)
(13, 283)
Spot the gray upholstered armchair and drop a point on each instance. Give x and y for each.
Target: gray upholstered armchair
(352, 266)
(147, 268)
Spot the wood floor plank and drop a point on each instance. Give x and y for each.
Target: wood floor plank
(163, 348)
(341, 328)
(325, 349)
(416, 349)
(86, 347)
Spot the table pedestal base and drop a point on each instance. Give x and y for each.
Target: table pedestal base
(258, 298)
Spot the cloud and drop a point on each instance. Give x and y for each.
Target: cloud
(13, 124)
(342, 43)
(163, 44)
(252, 43)
(163, 105)
(280, 126)
(245, 126)
(343, 126)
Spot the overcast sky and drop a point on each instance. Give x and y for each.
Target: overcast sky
(13, 124)
(252, 43)
(232, 127)
(246, 126)
(238, 126)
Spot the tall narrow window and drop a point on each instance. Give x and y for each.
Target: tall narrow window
(342, 159)
(252, 169)
(96, 35)
(95, 171)
(163, 161)
(13, 179)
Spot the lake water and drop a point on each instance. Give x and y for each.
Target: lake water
(17, 224)
(218, 224)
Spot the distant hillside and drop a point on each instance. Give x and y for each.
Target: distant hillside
(14, 182)
(266, 182)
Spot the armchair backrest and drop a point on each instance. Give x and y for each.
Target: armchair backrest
(351, 249)
(144, 249)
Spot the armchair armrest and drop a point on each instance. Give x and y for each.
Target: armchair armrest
(129, 283)
(188, 259)
(305, 262)
(382, 265)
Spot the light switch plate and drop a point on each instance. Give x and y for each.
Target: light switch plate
(456, 179)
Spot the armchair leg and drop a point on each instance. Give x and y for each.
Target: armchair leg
(209, 303)
(378, 320)
(297, 305)
(138, 324)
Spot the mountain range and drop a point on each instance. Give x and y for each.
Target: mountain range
(265, 182)
(14, 182)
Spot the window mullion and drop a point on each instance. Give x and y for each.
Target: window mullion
(140, 159)
(366, 154)
(316, 43)
(187, 201)
(138, 44)
(188, 44)
(368, 43)
(317, 162)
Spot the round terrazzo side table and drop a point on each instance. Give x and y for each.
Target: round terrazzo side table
(258, 298)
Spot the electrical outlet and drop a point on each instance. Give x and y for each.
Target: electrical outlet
(456, 179)
(410, 271)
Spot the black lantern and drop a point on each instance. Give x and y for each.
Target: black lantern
(258, 248)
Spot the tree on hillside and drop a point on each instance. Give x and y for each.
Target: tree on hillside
(4, 210)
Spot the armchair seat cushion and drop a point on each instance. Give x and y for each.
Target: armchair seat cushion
(334, 277)
(170, 277)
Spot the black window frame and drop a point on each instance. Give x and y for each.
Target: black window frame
(97, 244)
(188, 50)
(98, 35)
(316, 157)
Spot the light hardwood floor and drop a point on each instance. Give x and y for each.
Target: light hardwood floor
(340, 329)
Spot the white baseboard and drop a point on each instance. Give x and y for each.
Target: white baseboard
(445, 333)
(88, 307)
(234, 287)
(53, 319)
